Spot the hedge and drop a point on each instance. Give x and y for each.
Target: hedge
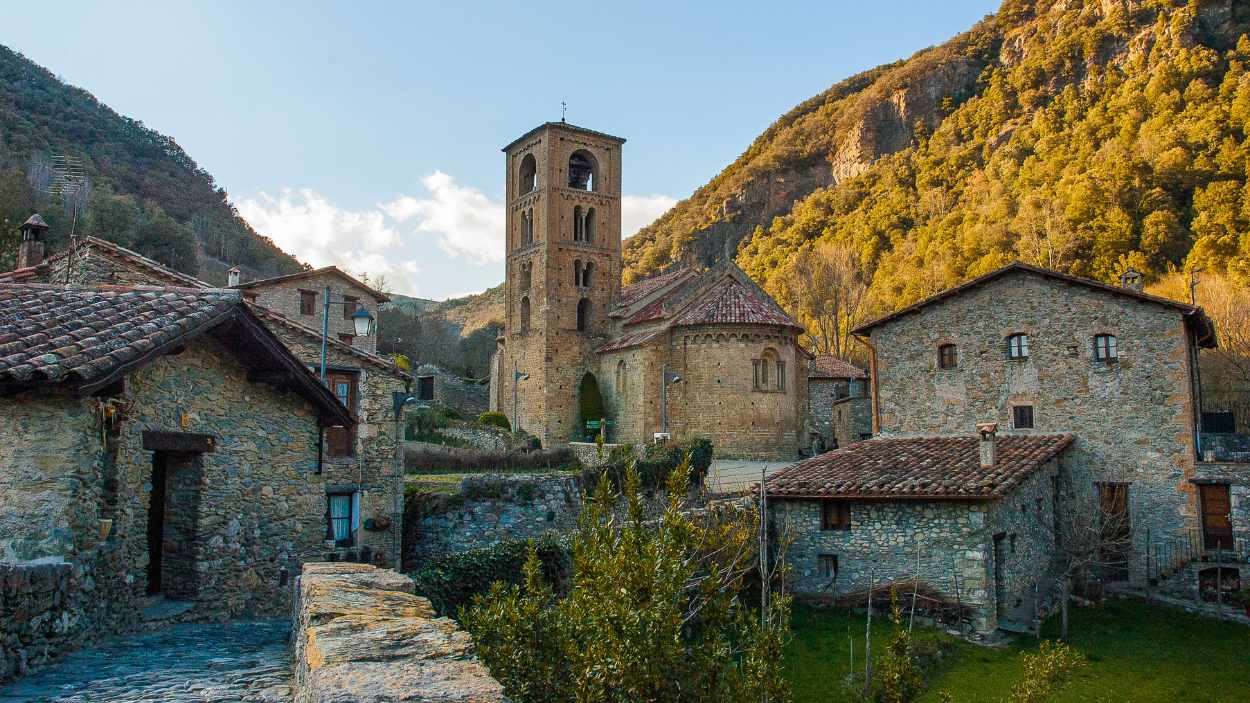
(469, 460)
(450, 581)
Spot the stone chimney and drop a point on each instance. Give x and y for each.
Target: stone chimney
(988, 446)
(234, 277)
(30, 252)
(1132, 279)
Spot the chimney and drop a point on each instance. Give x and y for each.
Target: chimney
(987, 445)
(30, 252)
(1132, 280)
(234, 276)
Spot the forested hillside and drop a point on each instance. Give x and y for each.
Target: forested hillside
(140, 188)
(1083, 136)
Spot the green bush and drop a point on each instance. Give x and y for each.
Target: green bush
(657, 462)
(495, 419)
(422, 425)
(452, 580)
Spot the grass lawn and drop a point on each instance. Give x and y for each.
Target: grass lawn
(1136, 652)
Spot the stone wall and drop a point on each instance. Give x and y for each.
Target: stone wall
(838, 412)
(1025, 525)
(489, 508)
(1133, 419)
(41, 614)
(284, 298)
(1237, 476)
(471, 399)
(362, 636)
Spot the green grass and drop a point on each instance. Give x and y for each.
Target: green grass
(1136, 652)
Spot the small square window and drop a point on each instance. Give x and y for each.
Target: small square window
(1022, 417)
(1105, 348)
(947, 356)
(829, 565)
(1018, 346)
(346, 339)
(307, 302)
(835, 515)
(350, 304)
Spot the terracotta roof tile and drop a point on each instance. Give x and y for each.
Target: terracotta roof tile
(829, 366)
(729, 301)
(633, 293)
(631, 340)
(918, 468)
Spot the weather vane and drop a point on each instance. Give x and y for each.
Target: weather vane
(564, 108)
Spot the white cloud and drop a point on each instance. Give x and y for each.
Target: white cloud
(468, 224)
(638, 211)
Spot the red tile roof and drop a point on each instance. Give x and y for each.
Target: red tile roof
(332, 270)
(829, 366)
(314, 335)
(634, 293)
(730, 301)
(917, 468)
(24, 274)
(631, 340)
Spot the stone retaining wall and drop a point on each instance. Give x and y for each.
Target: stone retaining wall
(361, 635)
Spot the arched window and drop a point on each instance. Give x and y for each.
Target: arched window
(577, 272)
(528, 177)
(1018, 346)
(588, 226)
(527, 275)
(527, 227)
(586, 271)
(582, 170)
(579, 223)
(948, 356)
(620, 377)
(1105, 348)
(525, 315)
(770, 372)
(583, 314)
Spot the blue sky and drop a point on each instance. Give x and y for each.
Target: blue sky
(368, 134)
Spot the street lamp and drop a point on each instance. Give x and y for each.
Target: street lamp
(517, 377)
(362, 324)
(398, 400)
(668, 377)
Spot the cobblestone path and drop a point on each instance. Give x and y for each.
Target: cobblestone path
(238, 661)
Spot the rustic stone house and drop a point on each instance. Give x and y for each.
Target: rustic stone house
(688, 352)
(435, 385)
(838, 410)
(1043, 353)
(357, 459)
(972, 517)
(160, 442)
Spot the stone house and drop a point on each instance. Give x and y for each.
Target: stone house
(1042, 353)
(436, 385)
(358, 458)
(688, 352)
(972, 517)
(156, 442)
(838, 410)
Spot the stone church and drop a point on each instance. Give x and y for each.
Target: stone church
(686, 353)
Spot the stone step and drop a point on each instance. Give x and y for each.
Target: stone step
(159, 608)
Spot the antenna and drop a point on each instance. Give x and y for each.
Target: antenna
(564, 108)
(70, 182)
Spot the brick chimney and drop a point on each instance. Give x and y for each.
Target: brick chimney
(30, 252)
(234, 276)
(988, 445)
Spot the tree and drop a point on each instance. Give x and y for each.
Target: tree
(654, 611)
(826, 289)
(1091, 535)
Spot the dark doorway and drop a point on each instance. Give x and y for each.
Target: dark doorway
(1116, 530)
(1000, 578)
(156, 521)
(1217, 530)
(425, 388)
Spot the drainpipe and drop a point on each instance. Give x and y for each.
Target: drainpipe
(872, 373)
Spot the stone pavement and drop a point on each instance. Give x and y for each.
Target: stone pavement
(243, 661)
(737, 475)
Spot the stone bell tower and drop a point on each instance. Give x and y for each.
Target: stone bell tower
(563, 272)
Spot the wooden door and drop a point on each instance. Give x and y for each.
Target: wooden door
(1116, 530)
(1000, 576)
(340, 441)
(1217, 531)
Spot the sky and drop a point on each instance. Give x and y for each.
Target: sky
(368, 134)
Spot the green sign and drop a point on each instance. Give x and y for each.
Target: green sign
(594, 424)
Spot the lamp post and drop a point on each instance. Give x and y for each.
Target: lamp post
(398, 400)
(362, 322)
(667, 378)
(517, 377)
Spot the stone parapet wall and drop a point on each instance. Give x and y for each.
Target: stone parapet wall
(360, 635)
(39, 616)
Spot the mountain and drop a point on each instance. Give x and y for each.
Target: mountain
(144, 192)
(1083, 136)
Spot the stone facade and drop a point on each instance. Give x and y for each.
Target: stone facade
(1134, 418)
(568, 320)
(947, 545)
(283, 294)
(839, 412)
(436, 385)
(362, 636)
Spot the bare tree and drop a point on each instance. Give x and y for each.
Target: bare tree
(827, 289)
(1091, 533)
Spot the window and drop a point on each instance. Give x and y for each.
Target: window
(525, 316)
(350, 304)
(425, 388)
(527, 275)
(1018, 346)
(948, 356)
(835, 515)
(527, 227)
(829, 566)
(579, 223)
(307, 302)
(620, 377)
(1022, 417)
(577, 272)
(342, 517)
(340, 441)
(582, 171)
(346, 339)
(528, 180)
(766, 366)
(590, 267)
(588, 226)
(781, 375)
(1105, 348)
(583, 314)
